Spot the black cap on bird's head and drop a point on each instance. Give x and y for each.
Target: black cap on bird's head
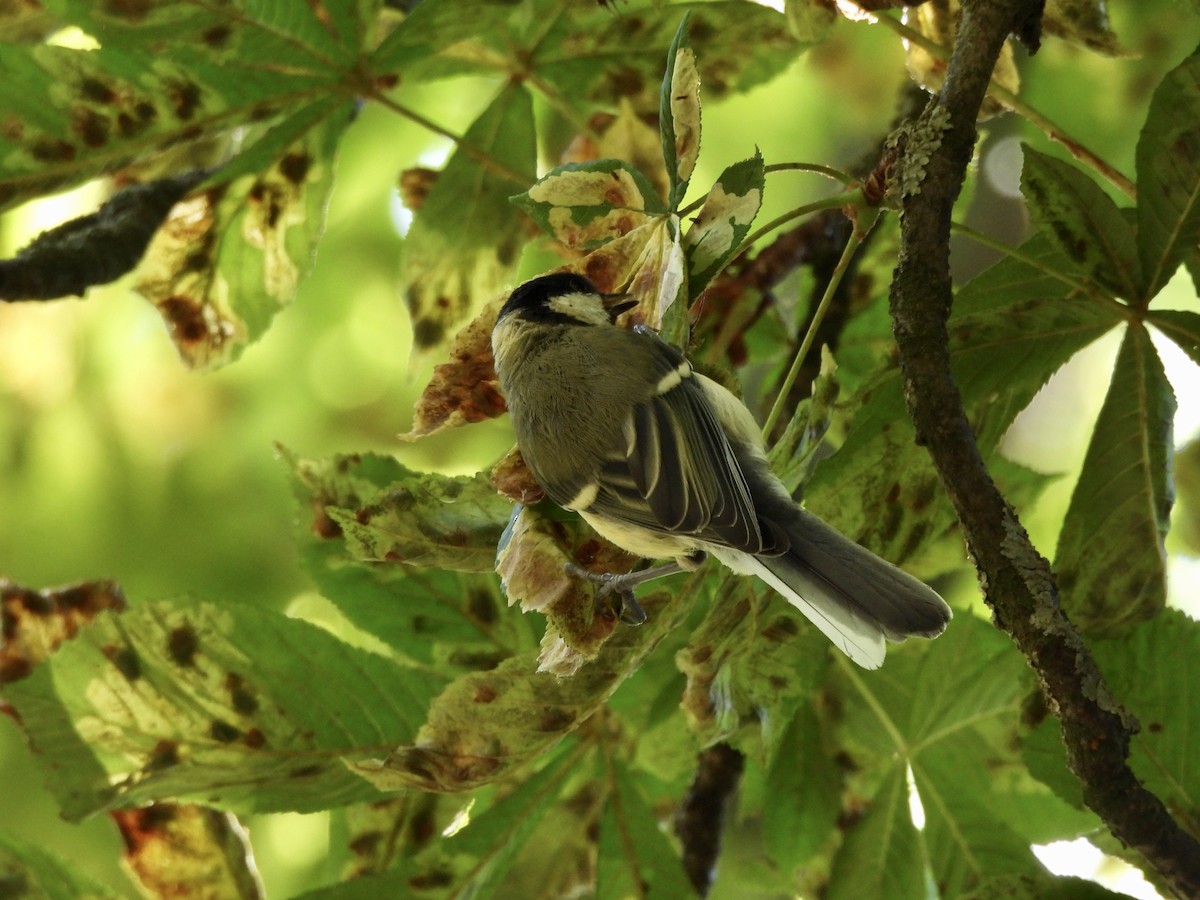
(565, 298)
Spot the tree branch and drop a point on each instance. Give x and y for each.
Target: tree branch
(1016, 579)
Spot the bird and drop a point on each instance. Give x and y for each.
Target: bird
(615, 425)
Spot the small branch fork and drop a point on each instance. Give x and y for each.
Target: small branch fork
(1017, 581)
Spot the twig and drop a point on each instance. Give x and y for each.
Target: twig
(1016, 579)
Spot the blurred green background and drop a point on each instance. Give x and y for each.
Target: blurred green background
(117, 462)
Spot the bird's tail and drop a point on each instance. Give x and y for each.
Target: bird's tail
(853, 596)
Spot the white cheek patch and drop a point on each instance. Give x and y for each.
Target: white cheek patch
(674, 378)
(587, 308)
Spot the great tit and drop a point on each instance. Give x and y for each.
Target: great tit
(615, 425)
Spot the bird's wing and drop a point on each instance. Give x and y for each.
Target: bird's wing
(674, 471)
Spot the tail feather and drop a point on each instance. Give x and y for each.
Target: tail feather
(855, 598)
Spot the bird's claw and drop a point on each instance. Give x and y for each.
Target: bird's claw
(630, 611)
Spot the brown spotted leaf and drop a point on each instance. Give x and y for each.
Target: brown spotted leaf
(230, 256)
(178, 850)
(679, 114)
(36, 622)
(534, 553)
(486, 724)
(464, 389)
(232, 706)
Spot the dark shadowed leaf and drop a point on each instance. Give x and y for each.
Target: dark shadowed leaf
(1087, 225)
(1039, 886)
(230, 706)
(1011, 328)
(1083, 23)
(1180, 326)
(1168, 170)
(1110, 562)
(463, 245)
(176, 850)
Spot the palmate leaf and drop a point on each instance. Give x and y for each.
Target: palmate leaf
(1011, 328)
(1087, 225)
(1168, 168)
(462, 245)
(230, 706)
(1111, 562)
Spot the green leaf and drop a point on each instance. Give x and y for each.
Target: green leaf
(218, 705)
(231, 255)
(1088, 227)
(749, 665)
(965, 842)
(462, 245)
(803, 791)
(1168, 170)
(634, 856)
(1142, 668)
(165, 75)
(723, 221)
(882, 854)
(1039, 886)
(436, 40)
(1011, 328)
(1111, 563)
(27, 870)
(389, 513)
(679, 114)
(486, 724)
(583, 205)
(1180, 326)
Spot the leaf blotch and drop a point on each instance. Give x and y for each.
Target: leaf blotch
(185, 318)
(240, 696)
(182, 645)
(164, 756)
(294, 167)
(126, 660)
(254, 739)
(217, 36)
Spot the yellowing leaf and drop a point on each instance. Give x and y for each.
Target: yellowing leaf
(679, 114)
(723, 222)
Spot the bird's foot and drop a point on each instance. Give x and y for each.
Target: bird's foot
(630, 611)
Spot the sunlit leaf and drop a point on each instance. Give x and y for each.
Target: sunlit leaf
(882, 854)
(37, 622)
(1168, 169)
(635, 857)
(462, 245)
(1087, 225)
(178, 850)
(230, 256)
(435, 40)
(219, 705)
(486, 724)
(582, 205)
(679, 114)
(723, 222)
(1039, 886)
(1111, 563)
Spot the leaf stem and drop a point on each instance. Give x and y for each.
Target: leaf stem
(852, 244)
(834, 202)
(1002, 94)
(828, 171)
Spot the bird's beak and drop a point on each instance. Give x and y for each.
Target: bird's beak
(615, 304)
